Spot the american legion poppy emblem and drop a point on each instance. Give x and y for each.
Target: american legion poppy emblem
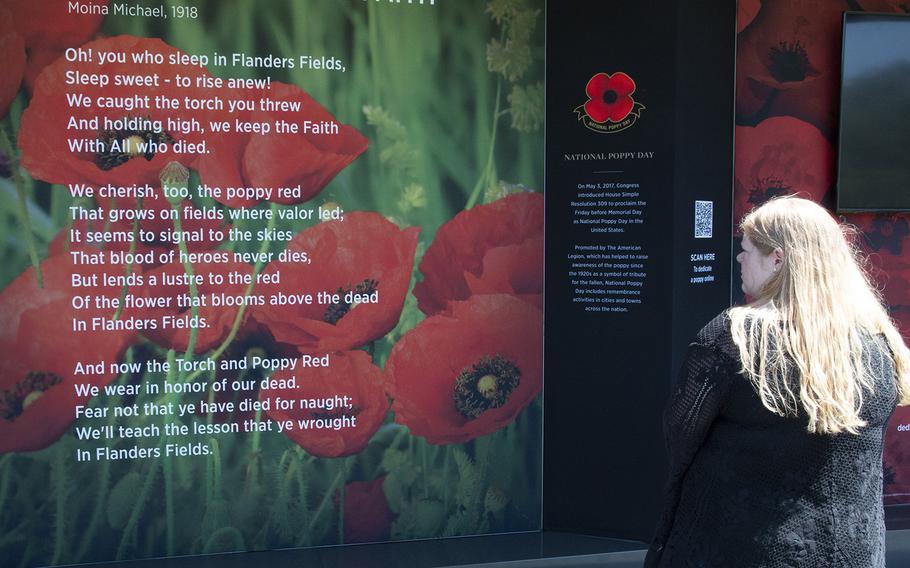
(610, 107)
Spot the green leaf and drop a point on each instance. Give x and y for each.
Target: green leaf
(503, 10)
(430, 516)
(216, 516)
(509, 59)
(522, 26)
(396, 149)
(225, 539)
(527, 107)
(466, 492)
(413, 196)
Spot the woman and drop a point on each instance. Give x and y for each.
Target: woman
(775, 427)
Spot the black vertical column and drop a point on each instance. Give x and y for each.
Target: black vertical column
(626, 277)
(703, 169)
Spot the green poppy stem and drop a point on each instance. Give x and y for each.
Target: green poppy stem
(446, 463)
(5, 473)
(339, 477)
(256, 433)
(425, 467)
(88, 538)
(488, 167)
(58, 472)
(129, 267)
(242, 310)
(129, 531)
(24, 218)
(103, 482)
(341, 507)
(194, 292)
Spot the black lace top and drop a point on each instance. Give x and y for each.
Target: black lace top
(750, 488)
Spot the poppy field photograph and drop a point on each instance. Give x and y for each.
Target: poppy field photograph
(272, 275)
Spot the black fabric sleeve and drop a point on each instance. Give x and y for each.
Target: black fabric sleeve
(695, 402)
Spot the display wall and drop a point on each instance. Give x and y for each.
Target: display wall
(272, 274)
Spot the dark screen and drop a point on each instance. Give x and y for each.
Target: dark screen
(874, 165)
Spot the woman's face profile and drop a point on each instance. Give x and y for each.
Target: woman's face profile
(756, 267)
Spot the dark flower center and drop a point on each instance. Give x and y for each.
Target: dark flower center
(15, 400)
(767, 188)
(888, 234)
(789, 62)
(120, 146)
(610, 97)
(337, 311)
(484, 385)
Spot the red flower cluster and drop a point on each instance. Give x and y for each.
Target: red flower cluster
(494, 248)
(40, 352)
(310, 158)
(780, 156)
(468, 371)
(364, 259)
(119, 149)
(318, 420)
(32, 35)
(788, 61)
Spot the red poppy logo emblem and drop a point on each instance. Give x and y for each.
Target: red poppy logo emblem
(610, 107)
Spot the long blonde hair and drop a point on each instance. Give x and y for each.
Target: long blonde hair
(810, 317)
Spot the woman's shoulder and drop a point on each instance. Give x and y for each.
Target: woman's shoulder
(716, 336)
(716, 331)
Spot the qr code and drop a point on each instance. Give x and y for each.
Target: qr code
(704, 219)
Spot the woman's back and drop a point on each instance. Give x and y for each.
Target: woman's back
(757, 489)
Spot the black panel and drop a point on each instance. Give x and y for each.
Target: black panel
(609, 362)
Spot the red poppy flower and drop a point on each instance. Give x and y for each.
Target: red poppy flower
(886, 237)
(310, 158)
(364, 259)
(895, 285)
(367, 516)
(40, 352)
(12, 60)
(221, 302)
(512, 269)
(337, 408)
(122, 148)
(791, 46)
(609, 97)
(493, 248)
(468, 371)
(746, 10)
(32, 34)
(780, 156)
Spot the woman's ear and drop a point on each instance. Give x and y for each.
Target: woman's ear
(778, 255)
